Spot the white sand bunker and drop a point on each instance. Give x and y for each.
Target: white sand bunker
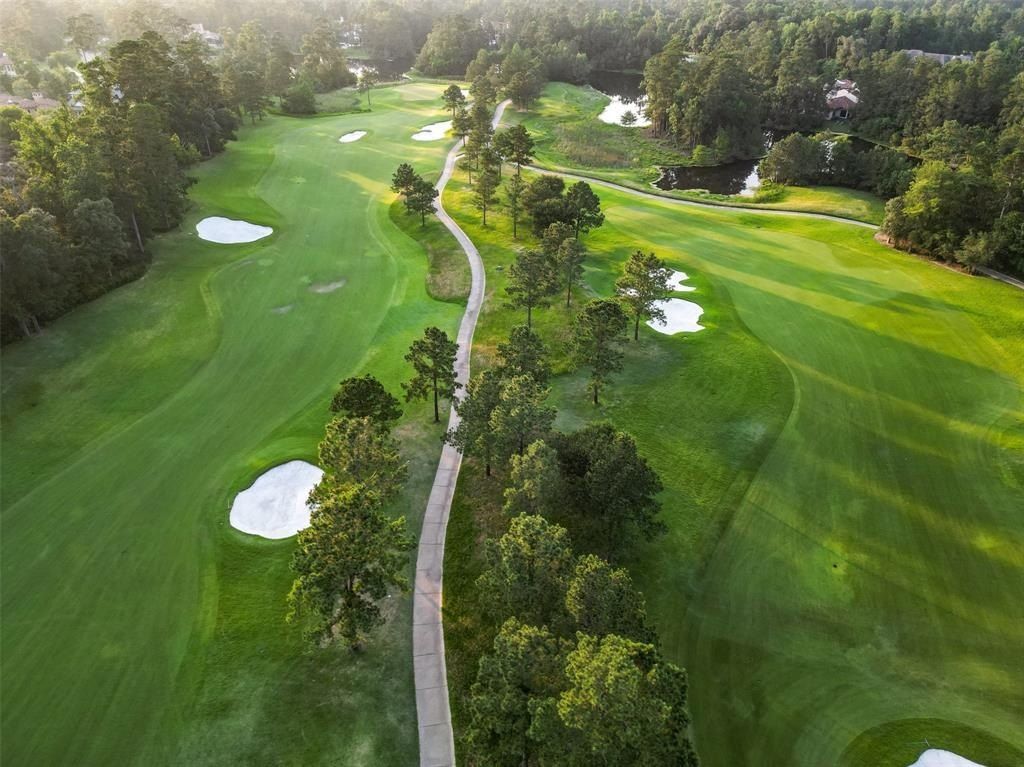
(935, 757)
(433, 132)
(274, 506)
(326, 287)
(676, 280)
(680, 317)
(228, 231)
(617, 109)
(355, 135)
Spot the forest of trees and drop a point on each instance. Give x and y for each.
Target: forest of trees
(82, 193)
(730, 74)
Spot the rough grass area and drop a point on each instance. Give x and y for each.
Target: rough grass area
(570, 137)
(138, 627)
(341, 100)
(843, 453)
(449, 277)
(569, 134)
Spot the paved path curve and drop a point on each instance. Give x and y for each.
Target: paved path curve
(433, 714)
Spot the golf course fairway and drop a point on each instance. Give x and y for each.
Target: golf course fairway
(139, 627)
(843, 454)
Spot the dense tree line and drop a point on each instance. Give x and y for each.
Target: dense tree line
(834, 160)
(729, 74)
(81, 194)
(574, 675)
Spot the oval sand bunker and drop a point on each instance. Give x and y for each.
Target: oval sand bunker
(228, 231)
(274, 506)
(680, 317)
(432, 132)
(355, 135)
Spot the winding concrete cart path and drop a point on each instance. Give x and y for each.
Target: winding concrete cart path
(437, 742)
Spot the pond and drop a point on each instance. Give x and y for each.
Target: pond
(627, 96)
(738, 177)
(388, 70)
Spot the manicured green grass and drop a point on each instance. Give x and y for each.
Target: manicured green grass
(843, 454)
(138, 626)
(570, 137)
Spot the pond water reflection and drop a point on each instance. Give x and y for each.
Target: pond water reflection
(738, 177)
(626, 95)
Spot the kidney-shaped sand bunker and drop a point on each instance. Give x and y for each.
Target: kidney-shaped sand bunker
(228, 231)
(275, 506)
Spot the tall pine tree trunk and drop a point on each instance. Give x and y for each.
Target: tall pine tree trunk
(138, 234)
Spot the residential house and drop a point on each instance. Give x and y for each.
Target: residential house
(842, 99)
(37, 102)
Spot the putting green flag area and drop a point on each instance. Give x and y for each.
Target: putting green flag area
(138, 626)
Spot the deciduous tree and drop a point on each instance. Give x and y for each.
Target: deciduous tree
(368, 78)
(365, 397)
(611, 490)
(527, 571)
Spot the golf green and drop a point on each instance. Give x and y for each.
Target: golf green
(843, 454)
(138, 627)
